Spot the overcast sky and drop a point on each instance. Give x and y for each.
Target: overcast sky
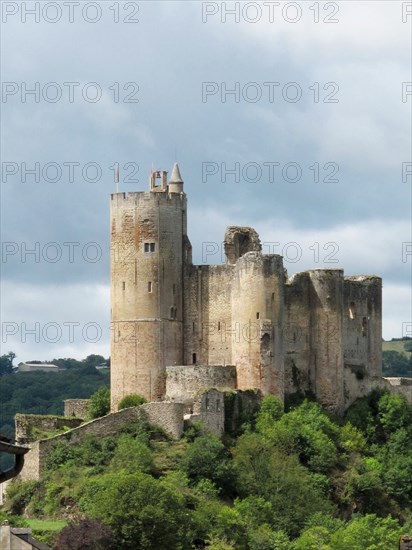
(290, 117)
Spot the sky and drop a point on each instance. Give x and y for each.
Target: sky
(290, 117)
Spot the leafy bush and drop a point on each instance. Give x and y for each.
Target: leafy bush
(99, 403)
(86, 534)
(132, 400)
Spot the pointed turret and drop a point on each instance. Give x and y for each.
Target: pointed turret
(175, 182)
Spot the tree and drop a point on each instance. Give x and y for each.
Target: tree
(100, 403)
(94, 360)
(141, 511)
(263, 470)
(6, 363)
(86, 534)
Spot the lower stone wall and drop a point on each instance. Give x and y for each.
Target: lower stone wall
(76, 407)
(210, 409)
(402, 386)
(166, 415)
(405, 542)
(185, 383)
(31, 427)
(355, 387)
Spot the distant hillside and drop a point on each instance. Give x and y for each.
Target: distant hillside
(397, 357)
(397, 345)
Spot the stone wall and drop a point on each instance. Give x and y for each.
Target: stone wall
(76, 407)
(168, 416)
(183, 383)
(30, 427)
(210, 409)
(402, 386)
(405, 542)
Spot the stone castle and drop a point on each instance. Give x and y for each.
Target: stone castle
(179, 328)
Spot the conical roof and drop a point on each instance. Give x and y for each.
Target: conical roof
(175, 177)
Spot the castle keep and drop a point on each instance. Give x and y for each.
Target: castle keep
(178, 328)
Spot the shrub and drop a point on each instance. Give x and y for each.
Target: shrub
(132, 400)
(99, 403)
(86, 534)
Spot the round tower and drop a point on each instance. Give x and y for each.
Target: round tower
(257, 316)
(147, 232)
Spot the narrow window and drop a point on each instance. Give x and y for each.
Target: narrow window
(273, 296)
(149, 286)
(218, 325)
(352, 312)
(123, 285)
(194, 358)
(152, 247)
(146, 247)
(257, 315)
(193, 326)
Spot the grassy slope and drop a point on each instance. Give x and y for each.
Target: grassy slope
(395, 346)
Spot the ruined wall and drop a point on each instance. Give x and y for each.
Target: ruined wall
(30, 427)
(402, 386)
(297, 334)
(185, 383)
(258, 321)
(210, 409)
(362, 325)
(208, 322)
(326, 354)
(168, 416)
(147, 231)
(405, 542)
(76, 407)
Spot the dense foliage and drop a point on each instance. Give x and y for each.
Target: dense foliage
(296, 480)
(132, 400)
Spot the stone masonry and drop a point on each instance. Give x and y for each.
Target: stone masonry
(176, 325)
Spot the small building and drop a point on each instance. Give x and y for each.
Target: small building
(34, 367)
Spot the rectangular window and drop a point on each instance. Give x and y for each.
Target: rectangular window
(257, 315)
(123, 285)
(194, 358)
(149, 286)
(149, 247)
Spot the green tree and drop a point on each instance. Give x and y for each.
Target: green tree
(100, 403)
(132, 456)
(141, 511)
(394, 412)
(263, 470)
(206, 458)
(367, 532)
(6, 363)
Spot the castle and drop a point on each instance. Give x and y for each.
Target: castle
(178, 328)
